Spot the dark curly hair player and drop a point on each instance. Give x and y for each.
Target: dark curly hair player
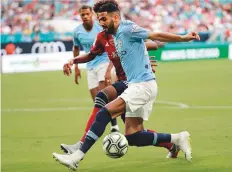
(137, 100)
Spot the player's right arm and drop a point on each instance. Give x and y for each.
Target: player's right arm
(84, 58)
(96, 49)
(76, 52)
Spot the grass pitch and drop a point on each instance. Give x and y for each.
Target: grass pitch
(42, 110)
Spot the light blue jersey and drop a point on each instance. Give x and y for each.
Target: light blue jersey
(85, 39)
(130, 46)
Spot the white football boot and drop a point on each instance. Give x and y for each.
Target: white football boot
(69, 149)
(66, 160)
(184, 145)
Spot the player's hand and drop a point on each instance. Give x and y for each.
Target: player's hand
(77, 74)
(191, 36)
(154, 63)
(108, 77)
(67, 68)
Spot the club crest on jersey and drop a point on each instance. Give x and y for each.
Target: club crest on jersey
(135, 28)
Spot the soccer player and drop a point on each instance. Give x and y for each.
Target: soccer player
(138, 98)
(84, 36)
(104, 43)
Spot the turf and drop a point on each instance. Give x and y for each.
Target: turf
(42, 110)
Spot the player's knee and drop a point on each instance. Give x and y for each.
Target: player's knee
(133, 140)
(101, 99)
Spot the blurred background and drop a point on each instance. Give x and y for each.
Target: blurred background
(41, 108)
(41, 20)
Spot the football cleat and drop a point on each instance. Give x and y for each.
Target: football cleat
(69, 149)
(184, 145)
(66, 160)
(173, 152)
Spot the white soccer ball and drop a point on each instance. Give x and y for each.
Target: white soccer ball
(115, 145)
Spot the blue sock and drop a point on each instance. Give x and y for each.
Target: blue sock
(147, 138)
(141, 138)
(101, 100)
(162, 138)
(97, 129)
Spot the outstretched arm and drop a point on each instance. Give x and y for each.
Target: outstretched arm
(84, 58)
(96, 49)
(79, 59)
(170, 37)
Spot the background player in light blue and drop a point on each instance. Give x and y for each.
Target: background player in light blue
(137, 100)
(84, 36)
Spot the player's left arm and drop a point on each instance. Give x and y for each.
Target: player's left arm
(136, 32)
(171, 37)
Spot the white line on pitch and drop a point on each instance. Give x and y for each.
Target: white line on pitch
(178, 104)
(89, 108)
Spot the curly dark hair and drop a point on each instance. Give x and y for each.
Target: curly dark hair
(106, 6)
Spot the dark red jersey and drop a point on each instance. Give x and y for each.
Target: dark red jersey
(105, 43)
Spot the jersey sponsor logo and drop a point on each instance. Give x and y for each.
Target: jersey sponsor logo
(48, 47)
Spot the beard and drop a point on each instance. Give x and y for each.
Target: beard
(110, 29)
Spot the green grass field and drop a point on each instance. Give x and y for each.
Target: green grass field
(42, 110)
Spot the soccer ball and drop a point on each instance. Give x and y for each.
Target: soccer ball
(115, 145)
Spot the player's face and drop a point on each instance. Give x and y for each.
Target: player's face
(107, 22)
(86, 16)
